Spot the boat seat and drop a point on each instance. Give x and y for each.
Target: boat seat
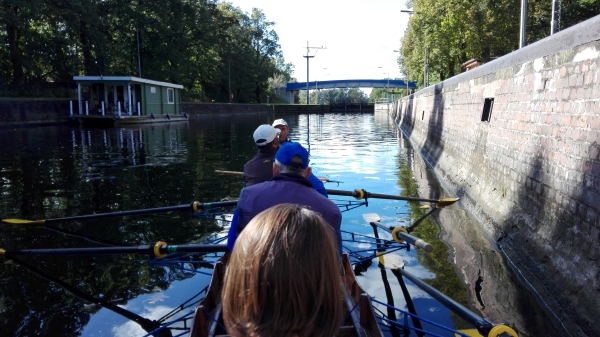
(348, 331)
(345, 331)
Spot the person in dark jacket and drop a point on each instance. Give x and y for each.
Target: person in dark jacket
(260, 168)
(289, 184)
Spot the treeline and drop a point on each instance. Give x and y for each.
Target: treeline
(210, 47)
(335, 96)
(442, 35)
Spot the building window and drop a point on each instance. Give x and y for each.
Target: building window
(170, 96)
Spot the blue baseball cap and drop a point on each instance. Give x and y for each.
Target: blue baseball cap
(288, 150)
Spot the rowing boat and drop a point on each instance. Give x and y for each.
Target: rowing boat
(360, 320)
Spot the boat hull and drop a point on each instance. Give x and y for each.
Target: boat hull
(125, 120)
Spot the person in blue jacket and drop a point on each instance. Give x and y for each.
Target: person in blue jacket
(289, 184)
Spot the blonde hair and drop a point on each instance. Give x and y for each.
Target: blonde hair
(283, 277)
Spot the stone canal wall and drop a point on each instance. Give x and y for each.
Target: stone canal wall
(518, 140)
(33, 112)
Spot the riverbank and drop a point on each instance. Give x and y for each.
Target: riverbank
(33, 112)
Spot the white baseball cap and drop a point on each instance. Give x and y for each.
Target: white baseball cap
(265, 134)
(279, 122)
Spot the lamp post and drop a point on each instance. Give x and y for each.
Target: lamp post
(229, 76)
(387, 87)
(523, 30)
(406, 69)
(137, 38)
(425, 53)
(307, 56)
(555, 15)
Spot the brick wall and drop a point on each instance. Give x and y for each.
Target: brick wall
(531, 174)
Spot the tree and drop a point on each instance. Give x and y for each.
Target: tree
(208, 46)
(336, 96)
(455, 31)
(264, 44)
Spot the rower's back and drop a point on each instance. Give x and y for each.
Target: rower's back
(283, 277)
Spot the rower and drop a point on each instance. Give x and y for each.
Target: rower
(283, 277)
(289, 184)
(268, 139)
(259, 168)
(282, 125)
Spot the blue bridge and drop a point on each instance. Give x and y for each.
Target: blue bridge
(315, 85)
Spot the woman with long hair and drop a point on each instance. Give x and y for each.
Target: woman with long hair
(283, 277)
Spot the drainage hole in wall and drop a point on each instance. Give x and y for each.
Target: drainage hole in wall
(488, 104)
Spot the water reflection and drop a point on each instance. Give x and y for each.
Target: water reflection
(128, 147)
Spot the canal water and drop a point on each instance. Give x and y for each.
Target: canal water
(59, 171)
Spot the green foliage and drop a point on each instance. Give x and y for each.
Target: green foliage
(335, 96)
(378, 94)
(208, 46)
(454, 31)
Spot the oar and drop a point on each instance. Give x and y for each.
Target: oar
(238, 173)
(414, 225)
(485, 327)
(194, 207)
(393, 264)
(160, 249)
(362, 194)
(146, 324)
(397, 233)
(327, 180)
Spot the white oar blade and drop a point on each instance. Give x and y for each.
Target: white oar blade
(371, 217)
(393, 261)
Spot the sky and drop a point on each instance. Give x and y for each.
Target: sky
(360, 36)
